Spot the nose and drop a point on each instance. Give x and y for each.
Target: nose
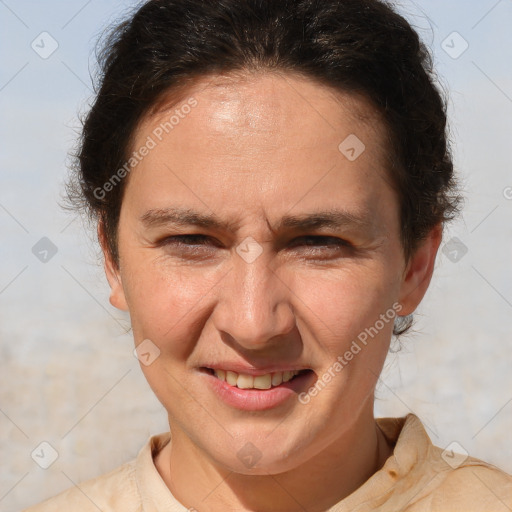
(255, 303)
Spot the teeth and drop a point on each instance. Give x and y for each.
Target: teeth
(244, 381)
(231, 378)
(277, 378)
(262, 381)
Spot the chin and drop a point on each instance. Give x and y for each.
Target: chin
(263, 467)
(251, 453)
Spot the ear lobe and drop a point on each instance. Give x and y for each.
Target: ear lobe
(419, 271)
(117, 296)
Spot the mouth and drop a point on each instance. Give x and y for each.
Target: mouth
(259, 391)
(256, 382)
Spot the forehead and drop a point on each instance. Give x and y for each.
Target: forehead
(265, 140)
(264, 103)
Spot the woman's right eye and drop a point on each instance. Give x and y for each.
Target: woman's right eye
(187, 240)
(193, 246)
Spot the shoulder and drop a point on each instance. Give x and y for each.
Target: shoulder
(473, 486)
(116, 490)
(420, 476)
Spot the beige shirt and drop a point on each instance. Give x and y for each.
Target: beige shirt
(417, 477)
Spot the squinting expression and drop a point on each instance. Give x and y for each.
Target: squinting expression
(253, 251)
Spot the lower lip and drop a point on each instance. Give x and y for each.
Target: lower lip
(260, 399)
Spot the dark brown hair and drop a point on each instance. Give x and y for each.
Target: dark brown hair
(358, 46)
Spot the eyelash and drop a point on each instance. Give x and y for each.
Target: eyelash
(178, 240)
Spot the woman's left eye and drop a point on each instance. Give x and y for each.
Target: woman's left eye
(323, 240)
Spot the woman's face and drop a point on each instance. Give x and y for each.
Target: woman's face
(292, 258)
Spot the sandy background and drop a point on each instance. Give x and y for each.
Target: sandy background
(68, 376)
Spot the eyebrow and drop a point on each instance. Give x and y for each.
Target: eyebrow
(184, 217)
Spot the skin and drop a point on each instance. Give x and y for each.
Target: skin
(255, 148)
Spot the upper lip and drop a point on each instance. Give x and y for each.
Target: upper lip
(252, 370)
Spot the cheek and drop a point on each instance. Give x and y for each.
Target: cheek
(166, 302)
(347, 301)
(352, 323)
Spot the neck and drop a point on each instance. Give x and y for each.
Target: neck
(315, 485)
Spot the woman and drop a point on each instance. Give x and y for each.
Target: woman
(270, 181)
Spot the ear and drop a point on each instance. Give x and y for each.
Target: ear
(418, 271)
(117, 296)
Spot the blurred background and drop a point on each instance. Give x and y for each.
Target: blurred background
(72, 396)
